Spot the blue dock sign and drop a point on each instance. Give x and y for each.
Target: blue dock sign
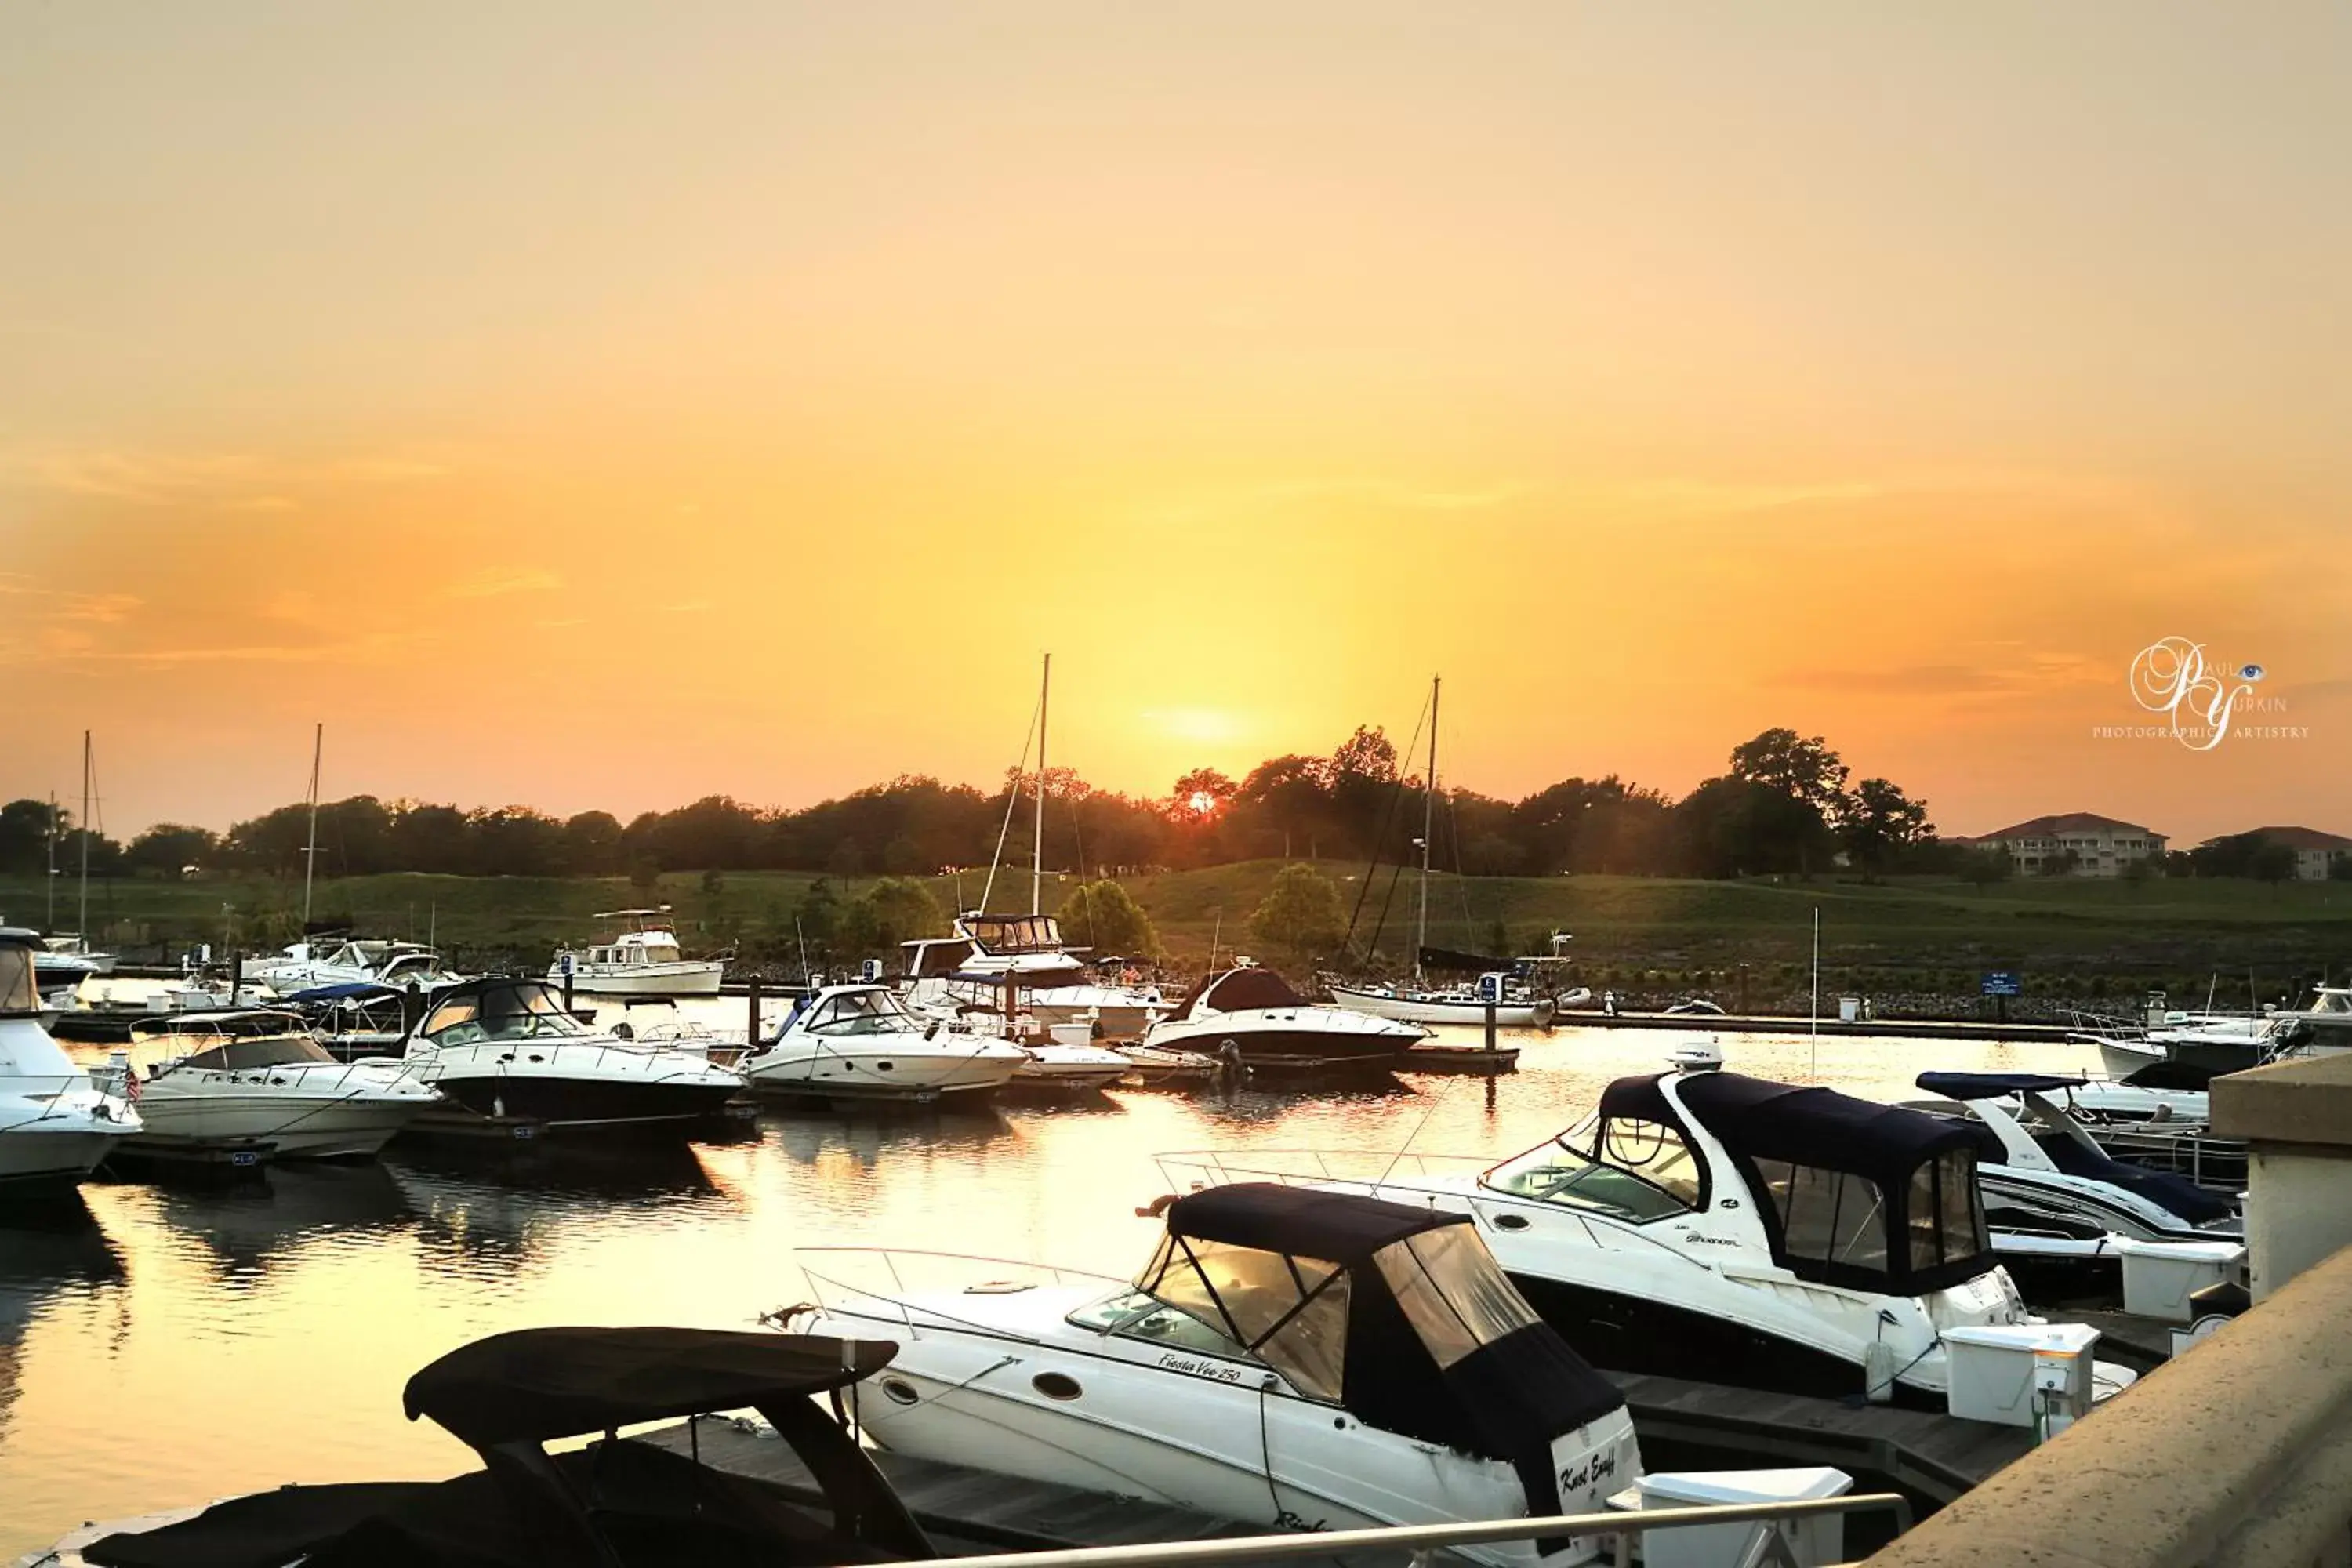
(2002, 982)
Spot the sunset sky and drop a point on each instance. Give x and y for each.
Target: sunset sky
(589, 405)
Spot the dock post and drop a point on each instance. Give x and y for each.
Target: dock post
(752, 1029)
(236, 975)
(1490, 1027)
(567, 991)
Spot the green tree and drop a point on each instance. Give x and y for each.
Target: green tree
(1804, 768)
(1301, 914)
(168, 848)
(1103, 917)
(1983, 867)
(1877, 822)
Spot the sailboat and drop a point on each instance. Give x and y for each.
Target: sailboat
(1516, 1005)
(66, 960)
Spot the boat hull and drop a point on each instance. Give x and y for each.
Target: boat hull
(1274, 1048)
(644, 980)
(35, 1156)
(1467, 1011)
(303, 1127)
(883, 1073)
(582, 1102)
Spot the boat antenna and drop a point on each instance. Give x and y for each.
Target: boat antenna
(81, 923)
(310, 853)
(49, 926)
(1428, 826)
(1037, 833)
(1012, 799)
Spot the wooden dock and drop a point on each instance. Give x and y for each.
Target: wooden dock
(1934, 1455)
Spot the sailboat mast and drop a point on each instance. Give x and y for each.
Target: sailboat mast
(82, 922)
(49, 925)
(310, 854)
(1428, 823)
(1037, 833)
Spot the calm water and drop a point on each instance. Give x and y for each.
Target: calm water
(165, 1345)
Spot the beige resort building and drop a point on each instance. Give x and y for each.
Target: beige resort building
(2102, 845)
(2314, 852)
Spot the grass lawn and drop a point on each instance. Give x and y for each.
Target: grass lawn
(2067, 936)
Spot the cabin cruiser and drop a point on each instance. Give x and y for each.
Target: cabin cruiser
(1251, 1016)
(73, 944)
(60, 974)
(516, 1399)
(1704, 1225)
(55, 1123)
(256, 1080)
(303, 966)
(357, 1018)
(503, 1047)
(860, 1042)
(643, 960)
(989, 952)
(2055, 1200)
(1515, 1006)
(1293, 1359)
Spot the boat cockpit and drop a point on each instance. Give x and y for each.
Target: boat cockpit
(503, 1010)
(853, 1010)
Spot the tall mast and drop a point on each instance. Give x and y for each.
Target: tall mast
(1037, 833)
(49, 925)
(82, 922)
(310, 854)
(1428, 821)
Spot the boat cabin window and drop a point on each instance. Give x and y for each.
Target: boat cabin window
(1138, 1315)
(1452, 1292)
(246, 1056)
(1947, 1217)
(1827, 1216)
(505, 1013)
(1291, 1312)
(20, 991)
(859, 1013)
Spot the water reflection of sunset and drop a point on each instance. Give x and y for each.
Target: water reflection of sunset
(255, 1334)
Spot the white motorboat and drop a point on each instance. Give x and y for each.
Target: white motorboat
(70, 945)
(1707, 1225)
(1252, 1017)
(1516, 1008)
(989, 952)
(55, 1125)
(2057, 1202)
(1293, 1359)
(303, 966)
(503, 1047)
(860, 1042)
(1069, 1066)
(256, 1080)
(1165, 1067)
(642, 961)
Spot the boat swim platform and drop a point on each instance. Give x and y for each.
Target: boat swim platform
(1936, 1457)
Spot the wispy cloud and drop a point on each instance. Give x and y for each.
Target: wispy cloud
(240, 481)
(492, 584)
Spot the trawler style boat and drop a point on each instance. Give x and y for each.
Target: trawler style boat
(1703, 1225)
(988, 952)
(503, 1047)
(230, 1080)
(644, 960)
(55, 1125)
(1515, 1006)
(859, 1042)
(614, 1503)
(2056, 1202)
(1252, 1015)
(1305, 1360)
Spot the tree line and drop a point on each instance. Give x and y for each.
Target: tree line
(1784, 804)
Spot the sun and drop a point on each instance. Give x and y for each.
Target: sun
(1200, 802)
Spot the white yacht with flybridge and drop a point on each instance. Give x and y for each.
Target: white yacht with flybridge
(642, 960)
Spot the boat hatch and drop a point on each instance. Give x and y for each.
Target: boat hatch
(1399, 1313)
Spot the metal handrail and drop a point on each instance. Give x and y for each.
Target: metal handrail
(1421, 1538)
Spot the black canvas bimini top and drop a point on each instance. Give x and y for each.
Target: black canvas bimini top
(1966, 1085)
(537, 1384)
(1756, 1119)
(1335, 1227)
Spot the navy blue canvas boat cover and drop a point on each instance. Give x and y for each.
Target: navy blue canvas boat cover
(345, 991)
(1303, 1222)
(1966, 1085)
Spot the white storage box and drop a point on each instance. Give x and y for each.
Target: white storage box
(2159, 1275)
(1996, 1372)
(1813, 1541)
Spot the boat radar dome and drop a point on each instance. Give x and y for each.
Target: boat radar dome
(1698, 1056)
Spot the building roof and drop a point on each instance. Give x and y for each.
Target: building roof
(2302, 838)
(2066, 823)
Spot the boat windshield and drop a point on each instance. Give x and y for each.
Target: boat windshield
(1648, 1179)
(875, 1011)
(1015, 934)
(19, 992)
(1291, 1312)
(1139, 1315)
(501, 1013)
(246, 1056)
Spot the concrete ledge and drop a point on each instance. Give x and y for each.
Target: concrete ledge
(2307, 1101)
(2239, 1455)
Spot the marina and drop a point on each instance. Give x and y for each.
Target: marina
(196, 1283)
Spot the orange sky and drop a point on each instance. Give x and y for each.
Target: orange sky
(589, 405)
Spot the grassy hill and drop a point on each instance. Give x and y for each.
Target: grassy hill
(1744, 940)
